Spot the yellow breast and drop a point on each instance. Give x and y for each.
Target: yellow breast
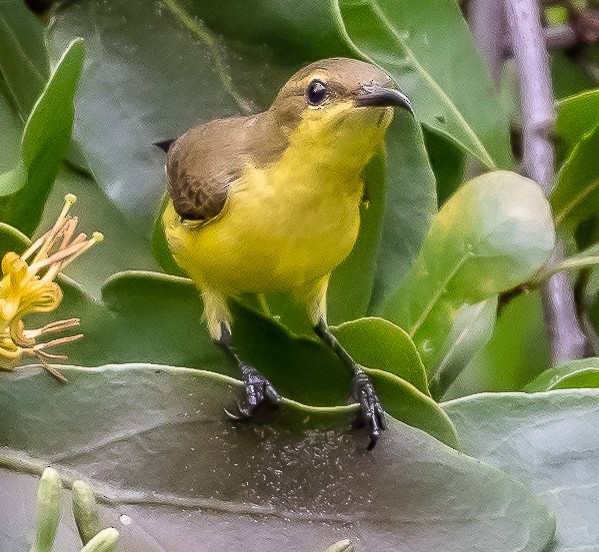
(288, 224)
(280, 230)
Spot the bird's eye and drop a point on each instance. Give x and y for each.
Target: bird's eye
(316, 92)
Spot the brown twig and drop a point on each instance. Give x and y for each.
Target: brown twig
(488, 26)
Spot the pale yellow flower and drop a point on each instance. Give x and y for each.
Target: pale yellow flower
(27, 286)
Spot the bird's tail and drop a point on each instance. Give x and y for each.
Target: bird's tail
(164, 145)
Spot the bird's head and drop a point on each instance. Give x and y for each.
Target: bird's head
(342, 102)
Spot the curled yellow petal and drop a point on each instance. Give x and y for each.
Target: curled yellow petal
(27, 286)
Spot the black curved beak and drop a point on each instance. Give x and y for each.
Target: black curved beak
(372, 95)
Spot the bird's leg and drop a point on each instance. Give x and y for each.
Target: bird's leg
(362, 389)
(257, 389)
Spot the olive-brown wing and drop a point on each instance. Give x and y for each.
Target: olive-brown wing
(201, 167)
(205, 162)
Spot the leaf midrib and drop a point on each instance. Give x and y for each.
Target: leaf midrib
(482, 154)
(204, 34)
(563, 213)
(442, 288)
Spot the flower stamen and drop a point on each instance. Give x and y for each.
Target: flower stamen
(27, 286)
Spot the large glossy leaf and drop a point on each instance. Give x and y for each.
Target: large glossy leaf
(494, 233)
(44, 143)
(161, 316)
(549, 442)
(576, 116)
(154, 441)
(578, 373)
(406, 37)
(576, 194)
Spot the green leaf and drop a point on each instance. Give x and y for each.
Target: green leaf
(448, 163)
(517, 352)
(44, 143)
(378, 343)
(576, 194)
(355, 275)
(446, 85)
(578, 373)
(547, 441)
(584, 259)
(410, 205)
(576, 116)
(154, 441)
(569, 77)
(133, 93)
(306, 370)
(12, 239)
(494, 233)
(471, 331)
(556, 15)
(24, 63)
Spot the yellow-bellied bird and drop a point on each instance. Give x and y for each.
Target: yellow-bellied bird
(270, 203)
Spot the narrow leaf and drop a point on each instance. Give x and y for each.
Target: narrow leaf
(575, 374)
(576, 194)
(471, 331)
(44, 144)
(585, 259)
(410, 203)
(576, 116)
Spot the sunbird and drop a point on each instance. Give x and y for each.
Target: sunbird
(271, 203)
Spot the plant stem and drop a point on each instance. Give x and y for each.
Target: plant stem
(568, 341)
(488, 25)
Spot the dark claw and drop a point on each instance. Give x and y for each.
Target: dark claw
(257, 390)
(372, 412)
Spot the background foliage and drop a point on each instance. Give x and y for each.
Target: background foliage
(425, 301)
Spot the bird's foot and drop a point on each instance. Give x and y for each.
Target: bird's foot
(258, 390)
(372, 413)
